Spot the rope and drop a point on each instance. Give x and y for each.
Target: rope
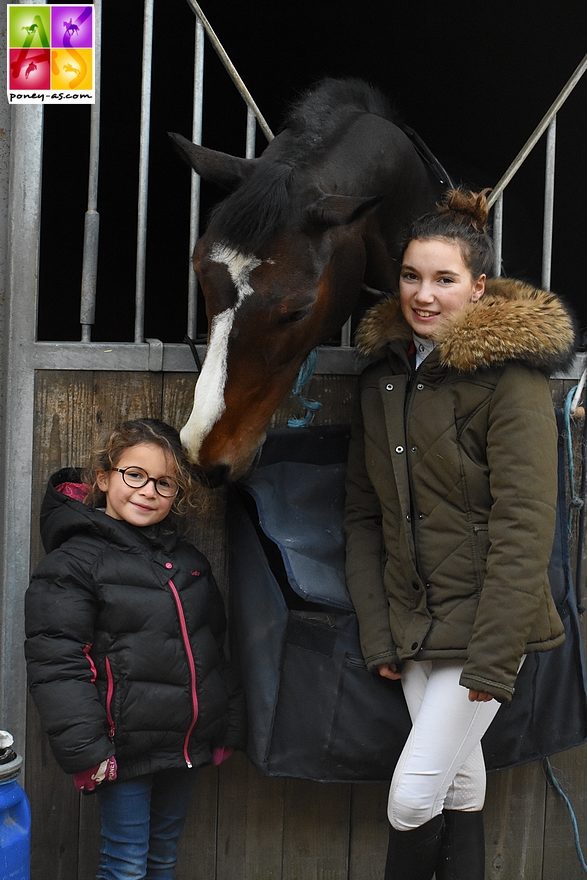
(575, 501)
(311, 406)
(553, 781)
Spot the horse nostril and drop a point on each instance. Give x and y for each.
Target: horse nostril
(216, 476)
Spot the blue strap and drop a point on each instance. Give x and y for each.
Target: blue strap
(559, 789)
(311, 406)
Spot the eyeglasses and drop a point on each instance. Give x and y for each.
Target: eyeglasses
(137, 477)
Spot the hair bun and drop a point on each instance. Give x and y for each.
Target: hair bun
(471, 206)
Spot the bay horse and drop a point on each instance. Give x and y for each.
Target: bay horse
(284, 256)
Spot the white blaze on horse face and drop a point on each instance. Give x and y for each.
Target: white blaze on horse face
(209, 403)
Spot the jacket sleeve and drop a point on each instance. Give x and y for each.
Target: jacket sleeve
(364, 553)
(522, 459)
(60, 611)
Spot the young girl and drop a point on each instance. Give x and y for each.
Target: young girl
(450, 517)
(125, 629)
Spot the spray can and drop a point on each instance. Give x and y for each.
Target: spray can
(15, 816)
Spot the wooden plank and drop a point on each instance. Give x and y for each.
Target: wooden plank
(250, 822)
(316, 830)
(197, 849)
(369, 831)
(63, 408)
(514, 823)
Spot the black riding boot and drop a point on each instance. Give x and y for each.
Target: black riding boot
(412, 855)
(462, 851)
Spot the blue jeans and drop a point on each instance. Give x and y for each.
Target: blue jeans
(142, 820)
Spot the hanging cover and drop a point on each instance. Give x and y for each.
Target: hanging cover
(314, 710)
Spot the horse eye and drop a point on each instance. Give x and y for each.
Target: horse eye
(292, 317)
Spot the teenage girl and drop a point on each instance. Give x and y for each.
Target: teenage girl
(125, 629)
(450, 517)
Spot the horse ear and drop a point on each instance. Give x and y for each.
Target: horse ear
(220, 168)
(333, 210)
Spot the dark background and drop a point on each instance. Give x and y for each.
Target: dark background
(473, 79)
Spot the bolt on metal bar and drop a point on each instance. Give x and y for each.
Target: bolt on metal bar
(143, 172)
(197, 113)
(92, 217)
(538, 132)
(231, 69)
(548, 227)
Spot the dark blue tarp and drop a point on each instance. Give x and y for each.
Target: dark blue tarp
(315, 712)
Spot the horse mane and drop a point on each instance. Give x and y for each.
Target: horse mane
(249, 216)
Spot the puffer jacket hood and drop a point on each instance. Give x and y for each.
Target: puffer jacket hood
(513, 321)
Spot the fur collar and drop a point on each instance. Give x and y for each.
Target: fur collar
(513, 321)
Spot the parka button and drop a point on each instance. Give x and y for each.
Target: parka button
(414, 645)
(408, 517)
(169, 565)
(416, 586)
(419, 386)
(389, 387)
(399, 449)
(414, 449)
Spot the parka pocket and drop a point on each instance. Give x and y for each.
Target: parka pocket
(480, 545)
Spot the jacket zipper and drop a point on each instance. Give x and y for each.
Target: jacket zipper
(109, 696)
(93, 671)
(192, 666)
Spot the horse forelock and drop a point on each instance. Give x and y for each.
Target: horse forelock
(254, 211)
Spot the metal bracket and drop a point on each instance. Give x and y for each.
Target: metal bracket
(155, 359)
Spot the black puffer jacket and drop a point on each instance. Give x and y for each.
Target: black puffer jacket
(125, 629)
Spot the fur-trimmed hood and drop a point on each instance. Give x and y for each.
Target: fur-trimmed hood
(513, 321)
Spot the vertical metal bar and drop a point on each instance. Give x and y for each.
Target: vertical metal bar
(143, 172)
(498, 235)
(92, 217)
(345, 334)
(197, 113)
(547, 231)
(251, 134)
(16, 448)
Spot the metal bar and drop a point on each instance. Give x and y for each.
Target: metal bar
(498, 236)
(251, 134)
(177, 358)
(197, 113)
(538, 131)
(92, 217)
(345, 334)
(23, 232)
(547, 230)
(231, 69)
(143, 172)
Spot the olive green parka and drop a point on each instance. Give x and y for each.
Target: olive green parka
(452, 486)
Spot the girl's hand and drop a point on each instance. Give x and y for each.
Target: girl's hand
(479, 696)
(386, 670)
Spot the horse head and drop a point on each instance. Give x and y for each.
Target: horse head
(284, 256)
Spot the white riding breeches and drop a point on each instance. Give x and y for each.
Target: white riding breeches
(441, 765)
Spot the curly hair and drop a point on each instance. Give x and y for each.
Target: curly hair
(133, 433)
(461, 217)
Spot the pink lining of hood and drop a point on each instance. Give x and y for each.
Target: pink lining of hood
(77, 491)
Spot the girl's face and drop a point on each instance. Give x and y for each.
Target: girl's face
(435, 284)
(144, 506)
